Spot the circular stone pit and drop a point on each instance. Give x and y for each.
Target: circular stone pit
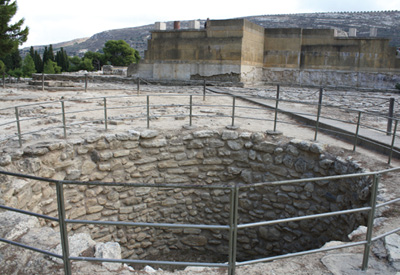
(201, 157)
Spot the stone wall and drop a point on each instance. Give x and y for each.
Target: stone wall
(205, 157)
(330, 78)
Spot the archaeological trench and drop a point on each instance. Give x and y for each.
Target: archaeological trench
(198, 157)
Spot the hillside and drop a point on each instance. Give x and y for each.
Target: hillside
(387, 23)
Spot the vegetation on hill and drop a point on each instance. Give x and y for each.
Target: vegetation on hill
(117, 53)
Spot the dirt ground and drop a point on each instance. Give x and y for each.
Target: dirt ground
(41, 118)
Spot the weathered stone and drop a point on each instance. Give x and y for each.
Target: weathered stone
(204, 134)
(265, 146)
(196, 240)
(145, 160)
(301, 204)
(146, 134)
(228, 135)
(94, 209)
(122, 136)
(93, 139)
(168, 164)
(300, 165)
(316, 148)
(154, 143)
(121, 153)
(216, 143)
(32, 164)
(233, 145)
(109, 250)
(392, 244)
(78, 243)
(269, 233)
(5, 160)
(105, 155)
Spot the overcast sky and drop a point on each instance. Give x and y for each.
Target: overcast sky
(52, 21)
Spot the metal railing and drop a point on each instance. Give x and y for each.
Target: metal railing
(232, 227)
(141, 106)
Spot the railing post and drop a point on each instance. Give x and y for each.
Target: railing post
(204, 90)
(148, 112)
(276, 106)
(393, 139)
(18, 126)
(319, 112)
(105, 114)
(63, 118)
(370, 225)
(233, 111)
(42, 81)
(190, 110)
(63, 228)
(390, 119)
(357, 131)
(86, 82)
(233, 220)
(138, 85)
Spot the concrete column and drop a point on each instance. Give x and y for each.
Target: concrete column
(352, 32)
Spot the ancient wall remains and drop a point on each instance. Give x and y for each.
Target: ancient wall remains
(204, 157)
(241, 51)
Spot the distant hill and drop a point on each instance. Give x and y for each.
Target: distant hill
(386, 22)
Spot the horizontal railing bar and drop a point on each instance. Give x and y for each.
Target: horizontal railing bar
(302, 253)
(28, 213)
(11, 122)
(31, 248)
(388, 202)
(119, 184)
(385, 234)
(143, 224)
(321, 178)
(315, 216)
(128, 261)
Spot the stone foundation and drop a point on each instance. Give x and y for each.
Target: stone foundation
(204, 157)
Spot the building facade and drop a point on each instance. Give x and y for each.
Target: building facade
(245, 53)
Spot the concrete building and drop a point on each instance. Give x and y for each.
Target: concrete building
(244, 53)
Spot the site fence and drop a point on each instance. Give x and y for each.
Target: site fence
(66, 114)
(232, 227)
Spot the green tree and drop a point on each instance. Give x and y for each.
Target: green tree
(17, 72)
(2, 67)
(62, 60)
(51, 53)
(45, 56)
(50, 67)
(38, 62)
(11, 35)
(119, 53)
(98, 59)
(28, 66)
(12, 60)
(74, 63)
(86, 64)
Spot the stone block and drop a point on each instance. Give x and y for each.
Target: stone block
(121, 153)
(196, 240)
(154, 143)
(109, 250)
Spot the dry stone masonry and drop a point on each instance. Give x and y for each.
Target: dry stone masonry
(206, 158)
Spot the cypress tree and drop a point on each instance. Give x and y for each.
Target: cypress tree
(38, 62)
(50, 53)
(45, 55)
